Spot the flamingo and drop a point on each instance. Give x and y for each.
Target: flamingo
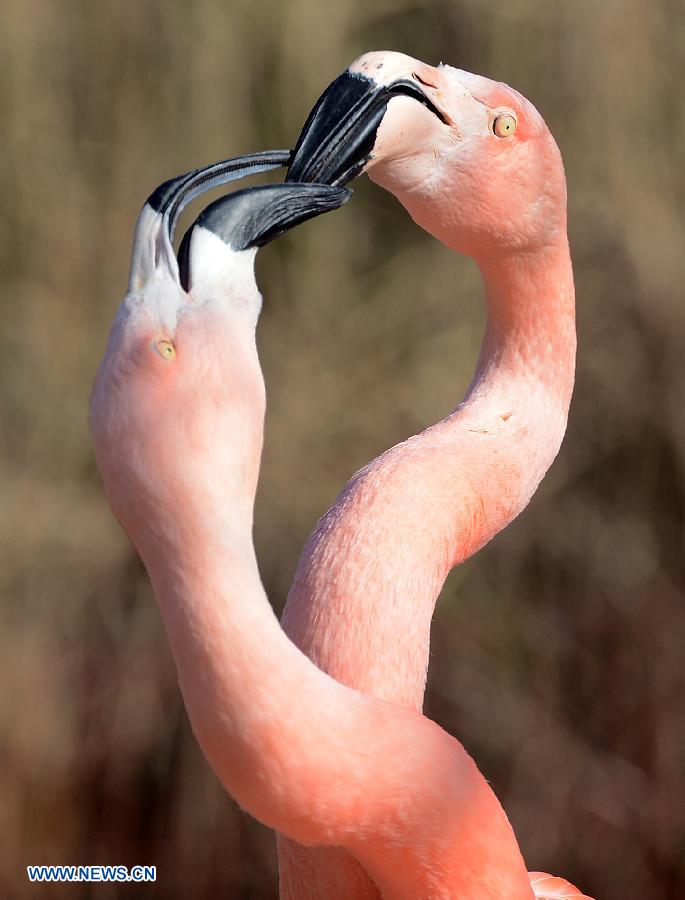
(475, 165)
(177, 422)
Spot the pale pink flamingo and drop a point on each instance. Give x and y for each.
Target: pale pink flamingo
(176, 416)
(177, 420)
(476, 166)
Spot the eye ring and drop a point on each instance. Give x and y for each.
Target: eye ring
(165, 348)
(504, 125)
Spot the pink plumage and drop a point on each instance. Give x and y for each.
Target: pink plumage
(375, 799)
(366, 586)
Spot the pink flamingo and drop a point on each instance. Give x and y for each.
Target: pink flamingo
(476, 166)
(177, 420)
(177, 417)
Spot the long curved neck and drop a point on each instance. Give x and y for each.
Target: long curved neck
(268, 721)
(366, 586)
(365, 589)
(509, 427)
(303, 753)
(530, 332)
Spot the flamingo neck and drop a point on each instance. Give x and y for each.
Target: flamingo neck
(224, 638)
(509, 427)
(366, 586)
(530, 331)
(365, 589)
(308, 756)
(300, 751)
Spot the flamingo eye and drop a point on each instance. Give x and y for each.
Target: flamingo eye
(504, 125)
(165, 348)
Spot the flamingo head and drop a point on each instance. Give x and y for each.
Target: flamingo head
(470, 159)
(178, 400)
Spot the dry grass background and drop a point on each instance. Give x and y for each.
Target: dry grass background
(558, 652)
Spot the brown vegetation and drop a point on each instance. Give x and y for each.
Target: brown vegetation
(558, 652)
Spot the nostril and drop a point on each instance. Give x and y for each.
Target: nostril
(421, 80)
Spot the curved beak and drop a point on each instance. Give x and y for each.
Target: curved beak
(172, 197)
(253, 217)
(338, 137)
(154, 232)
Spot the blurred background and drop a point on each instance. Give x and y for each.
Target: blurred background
(558, 652)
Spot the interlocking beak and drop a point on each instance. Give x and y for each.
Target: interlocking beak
(255, 216)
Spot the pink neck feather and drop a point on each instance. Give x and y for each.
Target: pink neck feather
(370, 574)
(307, 755)
(366, 586)
(303, 753)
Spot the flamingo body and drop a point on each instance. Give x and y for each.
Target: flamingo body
(366, 586)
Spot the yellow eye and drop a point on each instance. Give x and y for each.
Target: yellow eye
(504, 125)
(165, 348)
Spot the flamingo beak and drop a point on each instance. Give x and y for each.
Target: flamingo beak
(154, 232)
(255, 216)
(337, 139)
(171, 197)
